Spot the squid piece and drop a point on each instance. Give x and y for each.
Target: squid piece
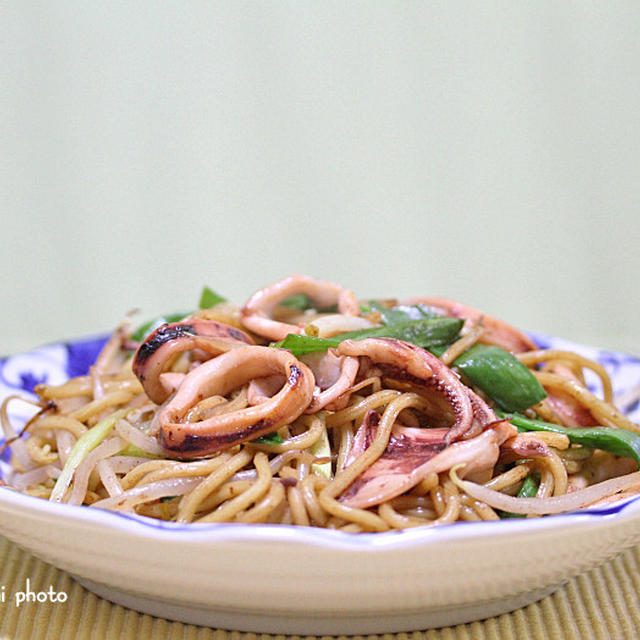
(261, 389)
(404, 443)
(334, 376)
(222, 375)
(483, 414)
(413, 453)
(495, 331)
(410, 450)
(524, 446)
(257, 312)
(419, 370)
(569, 411)
(169, 340)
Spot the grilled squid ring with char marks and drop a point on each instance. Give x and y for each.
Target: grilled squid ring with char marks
(222, 375)
(421, 371)
(169, 340)
(258, 311)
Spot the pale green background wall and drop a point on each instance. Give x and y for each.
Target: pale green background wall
(486, 151)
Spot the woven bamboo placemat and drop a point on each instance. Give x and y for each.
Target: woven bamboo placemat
(600, 604)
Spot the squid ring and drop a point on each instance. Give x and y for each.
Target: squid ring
(256, 313)
(222, 375)
(405, 363)
(348, 372)
(172, 339)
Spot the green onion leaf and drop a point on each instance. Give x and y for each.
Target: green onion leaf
(529, 489)
(501, 376)
(321, 448)
(298, 301)
(209, 298)
(399, 313)
(269, 438)
(136, 452)
(428, 333)
(85, 444)
(302, 302)
(619, 442)
(299, 345)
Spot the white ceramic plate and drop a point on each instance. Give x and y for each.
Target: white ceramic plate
(282, 579)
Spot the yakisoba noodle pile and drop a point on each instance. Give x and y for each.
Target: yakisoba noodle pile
(308, 407)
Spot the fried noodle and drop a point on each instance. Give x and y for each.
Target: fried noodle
(277, 442)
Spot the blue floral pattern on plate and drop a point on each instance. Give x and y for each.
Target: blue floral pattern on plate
(52, 364)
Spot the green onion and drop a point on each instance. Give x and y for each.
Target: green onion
(137, 452)
(298, 301)
(269, 438)
(399, 313)
(302, 302)
(619, 442)
(501, 376)
(209, 298)
(529, 489)
(428, 333)
(322, 449)
(299, 345)
(434, 334)
(86, 443)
